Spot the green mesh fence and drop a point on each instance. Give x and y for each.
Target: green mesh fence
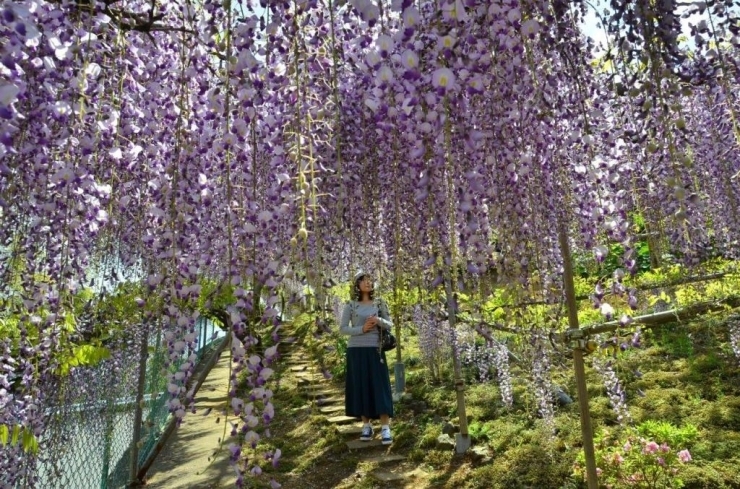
(89, 440)
(156, 415)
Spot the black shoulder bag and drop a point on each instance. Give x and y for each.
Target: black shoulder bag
(387, 340)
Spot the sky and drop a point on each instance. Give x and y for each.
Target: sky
(592, 29)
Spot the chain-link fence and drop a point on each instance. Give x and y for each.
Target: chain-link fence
(90, 437)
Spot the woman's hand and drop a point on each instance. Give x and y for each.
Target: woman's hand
(370, 324)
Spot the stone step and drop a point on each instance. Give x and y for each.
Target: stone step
(305, 407)
(322, 391)
(325, 401)
(386, 476)
(298, 368)
(354, 429)
(331, 409)
(342, 419)
(315, 379)
(308, 372)
(359, 445)
(382, 459)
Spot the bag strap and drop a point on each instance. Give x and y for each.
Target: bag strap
(382, 306)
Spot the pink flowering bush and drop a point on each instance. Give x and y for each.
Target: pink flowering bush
(627, 459)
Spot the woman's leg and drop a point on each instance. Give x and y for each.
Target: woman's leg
(365, 419)
(384, 420)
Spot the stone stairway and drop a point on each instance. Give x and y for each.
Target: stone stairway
(375, 460)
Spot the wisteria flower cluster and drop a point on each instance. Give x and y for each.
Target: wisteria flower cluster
(492, 354)
(180, 144)
(435, 339)
(734, 331)
(614, 389)
(541, 379)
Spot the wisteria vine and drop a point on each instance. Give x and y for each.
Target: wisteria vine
(212, 152)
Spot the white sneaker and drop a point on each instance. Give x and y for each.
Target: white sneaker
(367, 433)
(385, 436)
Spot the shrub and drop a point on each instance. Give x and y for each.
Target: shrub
(627, 459)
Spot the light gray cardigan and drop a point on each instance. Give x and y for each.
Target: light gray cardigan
(357, 314)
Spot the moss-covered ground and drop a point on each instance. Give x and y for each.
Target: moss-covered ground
(684, 374)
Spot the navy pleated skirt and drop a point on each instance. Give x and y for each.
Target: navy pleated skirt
(367, 391)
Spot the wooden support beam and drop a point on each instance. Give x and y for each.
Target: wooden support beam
(664, 317)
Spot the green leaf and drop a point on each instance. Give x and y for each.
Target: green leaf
(70, 322)
(30, 444)
(90, 355)
(15, 435)
(4, 433)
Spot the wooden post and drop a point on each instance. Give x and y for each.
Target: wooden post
(578, 364)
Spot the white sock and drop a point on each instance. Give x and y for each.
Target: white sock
(368, 425)
(385, 427)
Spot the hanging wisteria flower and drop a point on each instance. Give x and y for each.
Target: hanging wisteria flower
(475, 84)
(530, 28)
(410, 61)
(384, 76)
(454, 10)
(385, 45)
(373, 59)
(614, 389)
(541, 376)
(733, 325)
(607, 311)
(446, 43)
(443, 80)
(601, 252)
(411, 19)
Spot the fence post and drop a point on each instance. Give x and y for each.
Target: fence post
(143, 355)
(108, 439)
(204, 332)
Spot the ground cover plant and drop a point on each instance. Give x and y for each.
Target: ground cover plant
(670, 424)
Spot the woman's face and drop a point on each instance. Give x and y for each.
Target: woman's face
(366, 284)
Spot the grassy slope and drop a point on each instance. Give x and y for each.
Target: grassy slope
(687, 374)
(682, 374)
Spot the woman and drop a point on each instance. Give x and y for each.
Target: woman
(367, 392)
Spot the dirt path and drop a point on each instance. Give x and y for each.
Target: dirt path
(184, 460)
(319, 444)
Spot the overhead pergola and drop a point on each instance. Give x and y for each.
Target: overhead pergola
(211, 155)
